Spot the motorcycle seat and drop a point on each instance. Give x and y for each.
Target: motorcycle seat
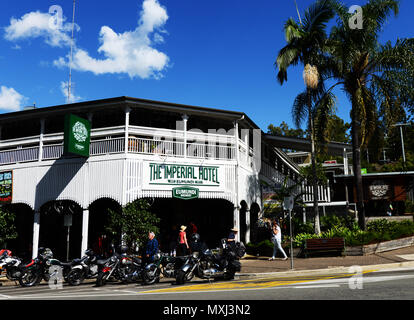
(102, 261)
(66, 264)
(137, 260)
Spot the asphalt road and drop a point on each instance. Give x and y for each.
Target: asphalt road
(385, 285)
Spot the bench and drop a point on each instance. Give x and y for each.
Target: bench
(315, 245)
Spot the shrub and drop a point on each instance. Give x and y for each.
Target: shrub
(331, 221)
(379, 226)
(300, 227)
(263, 248)
(409, 206)
(7, 226)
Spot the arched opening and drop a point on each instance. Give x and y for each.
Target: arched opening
(243, 222)
(24, 216)
(254, 216)
(61, 228)
(98, 238)
(212, 217)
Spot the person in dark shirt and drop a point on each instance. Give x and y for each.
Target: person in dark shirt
(151, 248)
(231, 239)
(196, 245)
(232, 235)
(193, 229)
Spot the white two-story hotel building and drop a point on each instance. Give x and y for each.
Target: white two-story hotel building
(193, 164)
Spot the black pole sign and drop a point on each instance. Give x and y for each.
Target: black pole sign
(6, 187)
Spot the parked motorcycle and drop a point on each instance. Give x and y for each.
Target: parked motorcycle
(84, 268)
(44, 266)
(207, 264)
(163, 264)
(11, 265)
(121, 267)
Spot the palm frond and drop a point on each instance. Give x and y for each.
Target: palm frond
(300, 109)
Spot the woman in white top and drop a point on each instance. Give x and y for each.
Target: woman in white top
(277, 241)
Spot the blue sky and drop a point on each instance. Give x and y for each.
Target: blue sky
(208, 53)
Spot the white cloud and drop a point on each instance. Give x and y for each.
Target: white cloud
(64, 89)
(40, 25)
(10, 99)
(130, 52)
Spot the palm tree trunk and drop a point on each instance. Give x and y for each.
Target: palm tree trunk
(356, 165)
(313, 159)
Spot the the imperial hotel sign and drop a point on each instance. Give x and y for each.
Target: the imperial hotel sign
(172, 174)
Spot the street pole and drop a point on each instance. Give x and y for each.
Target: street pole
(291, 239)
(402, 144)
(288, 203)
(67, 244)
(402, 138)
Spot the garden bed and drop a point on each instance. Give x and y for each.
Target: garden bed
(381, 235)
(380, 247)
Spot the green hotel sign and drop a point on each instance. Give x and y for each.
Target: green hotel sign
(185, 193)
(77, 136)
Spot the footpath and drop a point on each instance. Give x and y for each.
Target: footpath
(261, 266)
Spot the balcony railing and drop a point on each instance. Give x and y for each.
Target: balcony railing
(305, 189)
(107, 146)
(19, 155)
(111, 141)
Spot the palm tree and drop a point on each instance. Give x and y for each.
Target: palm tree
(306, 43)
(370, 74)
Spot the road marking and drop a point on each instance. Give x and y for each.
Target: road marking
(3, 295)
(71, 296)
(409, 257)
(318, 286)
(248, 284)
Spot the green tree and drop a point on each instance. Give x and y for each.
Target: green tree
(7, 227)
(279, 195)
(133, 223)
(337, 130)
(370, 74)
(306, 43)
(284, 130)
(307, 174)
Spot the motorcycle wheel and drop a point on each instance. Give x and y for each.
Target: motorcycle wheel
(229, 275)
(46, 276)
(189, 276)
(75, 277)
(29, 278)
(148, 279)
(181, 277)
(101, 279)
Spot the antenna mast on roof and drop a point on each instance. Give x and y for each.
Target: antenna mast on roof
(71, 53)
